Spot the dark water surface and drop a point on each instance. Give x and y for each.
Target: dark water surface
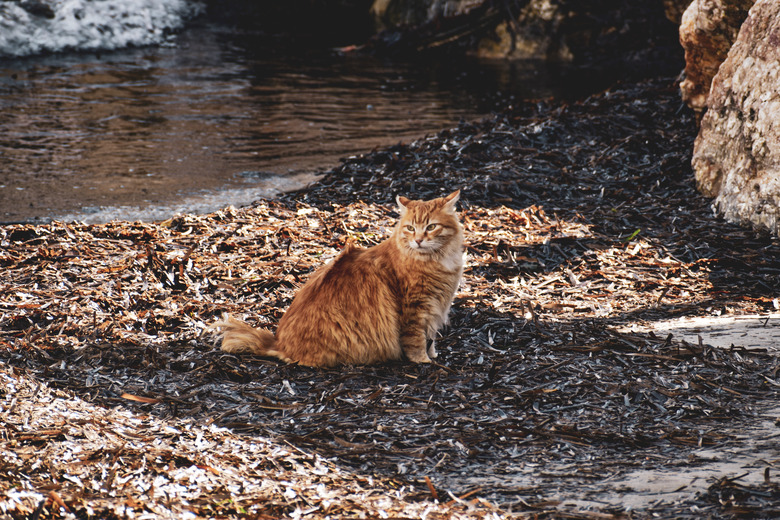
(222, 117)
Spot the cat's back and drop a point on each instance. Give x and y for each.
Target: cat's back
(354, 266)
(346, 312)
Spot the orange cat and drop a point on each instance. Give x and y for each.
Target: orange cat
(370, 305)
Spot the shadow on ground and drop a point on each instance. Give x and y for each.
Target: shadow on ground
(579, 220)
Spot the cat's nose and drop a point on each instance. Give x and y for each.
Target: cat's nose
(419, 241)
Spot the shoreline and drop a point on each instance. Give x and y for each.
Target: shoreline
(580, 220)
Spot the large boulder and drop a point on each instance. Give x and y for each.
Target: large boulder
(569, 31)
(737, 152)
(707, 31)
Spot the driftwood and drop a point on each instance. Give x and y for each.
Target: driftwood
(579, 219)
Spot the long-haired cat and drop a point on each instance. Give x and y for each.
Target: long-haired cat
(370, 305)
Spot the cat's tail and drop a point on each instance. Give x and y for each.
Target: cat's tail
(239, 338)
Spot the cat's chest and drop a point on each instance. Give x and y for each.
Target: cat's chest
(452, 262)
(434, 277)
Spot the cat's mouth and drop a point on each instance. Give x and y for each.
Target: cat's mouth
(424, 247)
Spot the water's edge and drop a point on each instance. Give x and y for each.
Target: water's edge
(222, 118)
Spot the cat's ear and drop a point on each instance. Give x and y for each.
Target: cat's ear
(450, 201)
(402, 203)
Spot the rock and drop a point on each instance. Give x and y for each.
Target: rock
(707, 31)
(398, 13)
(36, 8)
(536, 32)
(576, 31)
(736, 155)
(531, 32)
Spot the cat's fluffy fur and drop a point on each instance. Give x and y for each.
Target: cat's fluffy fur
(370, 305)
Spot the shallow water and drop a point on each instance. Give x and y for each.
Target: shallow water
(665, 478)
(750, 331)
(220, 117)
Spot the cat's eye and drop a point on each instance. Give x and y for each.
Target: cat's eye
(431, 227)
(410, 228)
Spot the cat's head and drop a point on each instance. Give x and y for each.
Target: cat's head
(428, 226)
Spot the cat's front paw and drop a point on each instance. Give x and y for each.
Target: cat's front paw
(418, 356)
(432, 350)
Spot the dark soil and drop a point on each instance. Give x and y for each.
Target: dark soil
(580, 220)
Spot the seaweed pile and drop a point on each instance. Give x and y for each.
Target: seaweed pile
(579, 219)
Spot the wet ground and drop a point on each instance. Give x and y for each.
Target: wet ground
(751, 331)
(581, 220)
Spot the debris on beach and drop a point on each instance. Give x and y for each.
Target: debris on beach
(579, 219)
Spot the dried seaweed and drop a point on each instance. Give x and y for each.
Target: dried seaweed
(579, 219)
